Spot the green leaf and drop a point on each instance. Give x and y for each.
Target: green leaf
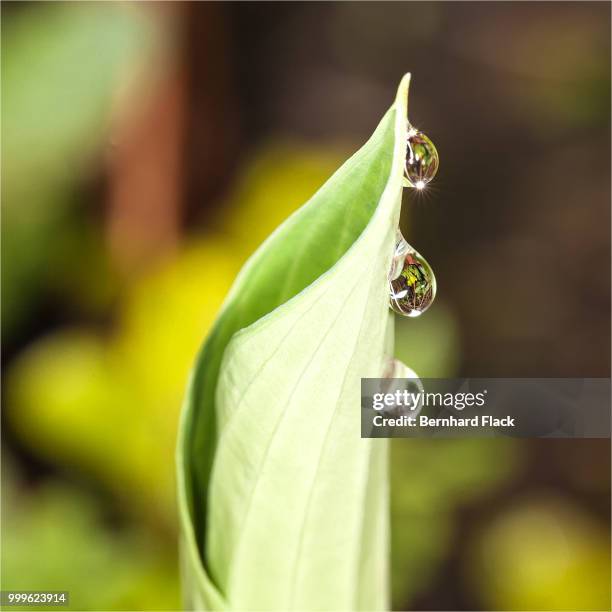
(282, 504)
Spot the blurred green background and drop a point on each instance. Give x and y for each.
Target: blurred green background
(148, 148)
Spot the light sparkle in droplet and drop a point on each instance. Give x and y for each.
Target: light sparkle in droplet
(422, 159)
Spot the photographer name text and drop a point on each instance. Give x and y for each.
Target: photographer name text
(483, 420)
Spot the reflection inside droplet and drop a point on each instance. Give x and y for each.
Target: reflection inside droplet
(398, 377)
(412, 284)
(422, 159)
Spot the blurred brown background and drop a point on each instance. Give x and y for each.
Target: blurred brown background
(148, 148)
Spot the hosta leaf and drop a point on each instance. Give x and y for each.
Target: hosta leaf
(283, 505)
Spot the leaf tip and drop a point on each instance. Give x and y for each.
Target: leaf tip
(402, 90)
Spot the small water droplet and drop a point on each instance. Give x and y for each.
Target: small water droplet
(412, 283)
(422, 159)
(409, 382)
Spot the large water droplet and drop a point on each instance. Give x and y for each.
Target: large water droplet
(412, 283)
(412, 402)
(422, 159)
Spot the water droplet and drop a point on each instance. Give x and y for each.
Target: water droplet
(412, 283)
(422, 159)
(399, 377)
